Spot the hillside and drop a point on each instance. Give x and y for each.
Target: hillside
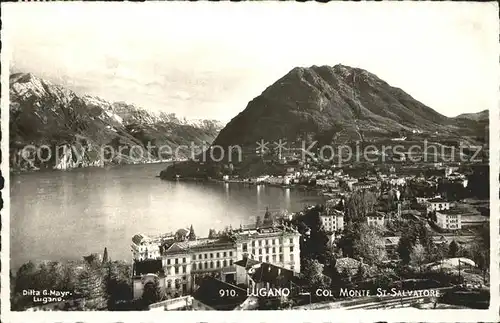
(323, 102)
(339, 105)
(478, 116)
(82, 130)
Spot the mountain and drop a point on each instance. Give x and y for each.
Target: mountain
(478, 116)
(338, 104)
(326, 102)
(85, 131)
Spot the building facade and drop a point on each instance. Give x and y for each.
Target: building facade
(376, 218)
(448, 220)
(183, 262)
(144, 247)
(332, 221)
(437, 204)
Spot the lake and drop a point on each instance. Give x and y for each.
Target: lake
(64, 215)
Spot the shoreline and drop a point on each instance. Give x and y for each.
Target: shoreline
(214, 180)
(69, 169)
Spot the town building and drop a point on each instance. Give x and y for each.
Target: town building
(144, 247)
(331, 183)
(437, 204)
(449, 219)
(391, 245)
(332, 221)
(183, 262)
(376, 218)
(366, 185)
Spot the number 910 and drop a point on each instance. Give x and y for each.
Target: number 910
(227, 292)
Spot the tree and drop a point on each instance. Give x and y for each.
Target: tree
(313, 273)
(192, 235)
(361, 274)
(152, 293)
(370, 245)
(346, 241)
(91, 288)
(269, 218)
(212, 234)
(359, 204)
(404, 249)
(453, 249)
(258, 222)
(105, 255)
(417, 256)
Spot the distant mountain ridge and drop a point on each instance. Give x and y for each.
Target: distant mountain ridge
(331, 105)
(325, 101)
(43, 113)
(478, 116)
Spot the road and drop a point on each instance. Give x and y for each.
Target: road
(373, 302)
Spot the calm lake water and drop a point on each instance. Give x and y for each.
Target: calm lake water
(67, 214)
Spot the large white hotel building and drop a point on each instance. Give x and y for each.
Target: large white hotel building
(179, 261)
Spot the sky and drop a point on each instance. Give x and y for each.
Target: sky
(208, 60)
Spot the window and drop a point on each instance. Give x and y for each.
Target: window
(199, 256)
(267, 249)
(225, 254)
(206, 265)
(253, 243)
(206, 255)
(194, 266)
(218, 255)
(176, 261)
(274, 258)
(245, 247)
(281, 258)
(230, 262)
(183, 260)
(169, 283)
(291, 240)
(218, 264)
(291, 257)
(260, 243)
(281, 249)
(274, 249)
(267, 258)
(230, 253)
(200, 266)
(260, 258)
(168, 261)
(184, 277)
(176, 270)
(260, 251)
(211, 255)
(291, 249)
(225, 263)
(194, 257)
(184, 269)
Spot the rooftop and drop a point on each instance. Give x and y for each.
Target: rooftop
(437, 200)
(246, 263)
(332, 212)
(376, 214)
(451, 212)
(208, 293)
(273, 274)
(150, 266)
(177, 247)
(272, 231)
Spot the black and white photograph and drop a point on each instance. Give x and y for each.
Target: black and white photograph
(256, 156)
